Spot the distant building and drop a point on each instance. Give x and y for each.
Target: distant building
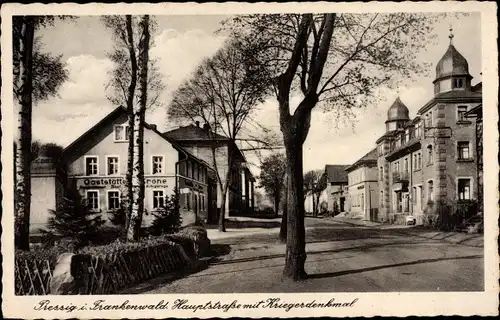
(363, 187)
(95, 165)
(336, 190)
(432, 159)
(200, 141)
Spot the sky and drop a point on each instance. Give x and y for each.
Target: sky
(181, 42)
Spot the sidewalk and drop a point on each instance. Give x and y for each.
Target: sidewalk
(468, 239)
(214, 234)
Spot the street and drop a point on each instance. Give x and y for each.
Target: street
(340, 258)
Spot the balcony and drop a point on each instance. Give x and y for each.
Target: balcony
(400, 176)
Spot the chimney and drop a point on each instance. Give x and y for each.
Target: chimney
(197, 124)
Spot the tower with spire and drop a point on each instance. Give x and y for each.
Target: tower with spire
(427, 163)
(452, 71)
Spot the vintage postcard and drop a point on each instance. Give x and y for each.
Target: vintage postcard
(249, 160)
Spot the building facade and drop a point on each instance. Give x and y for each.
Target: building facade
(363, 187)
(431, 160)
(337, 187)
(95, 165)
(202, 143)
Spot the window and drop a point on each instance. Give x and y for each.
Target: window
(381, 198)
(380, 149)
(113, 165)
(202, 201)
(406, 165)
(157, 164)
(362, 201)
(464, 189)
(188, 201)
(419, 160)
(458, 83)
(398, 142)
(421, 196)
(463, 150)
(158, 199)
(396, 167)
(195, 171)
(122, 132)
(415, 163)
(430, 190)
(418, 129)
(414, 196)
(430, 154)
(407, 135)
(93, 199)
(189, 169)
(428, 120)
(113, 200)
(381, 172)
(91, 165)
(461, 110)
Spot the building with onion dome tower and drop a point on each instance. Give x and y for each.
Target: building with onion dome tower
(427, 165)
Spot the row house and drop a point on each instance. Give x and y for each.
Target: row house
(203, 143)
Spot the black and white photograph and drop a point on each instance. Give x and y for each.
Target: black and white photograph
(200, 160)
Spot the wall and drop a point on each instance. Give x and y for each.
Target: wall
(43, 190)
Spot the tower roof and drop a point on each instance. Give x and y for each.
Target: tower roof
(398, 111)
(452, 63)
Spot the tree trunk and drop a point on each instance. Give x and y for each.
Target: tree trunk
(139, 115)
(283, 228)
(23, 150)
(277, 203)
(316, 204)
(222, 214)
(295, 240)
(130, 115)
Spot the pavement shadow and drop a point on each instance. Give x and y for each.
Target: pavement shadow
(235, 224)
(361, 248)
(218, 250)
(395, 265)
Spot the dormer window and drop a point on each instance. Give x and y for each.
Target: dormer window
(121, 132)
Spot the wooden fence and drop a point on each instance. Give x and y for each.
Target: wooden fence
(106, 273)
(32, 277)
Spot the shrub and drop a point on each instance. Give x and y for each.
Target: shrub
(167, 219)
(193, 239)
(73, 220)
(323, 207)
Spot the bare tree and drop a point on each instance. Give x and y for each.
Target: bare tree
(37, 77)
(123, 82)
(223, 92)
(332, 60)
